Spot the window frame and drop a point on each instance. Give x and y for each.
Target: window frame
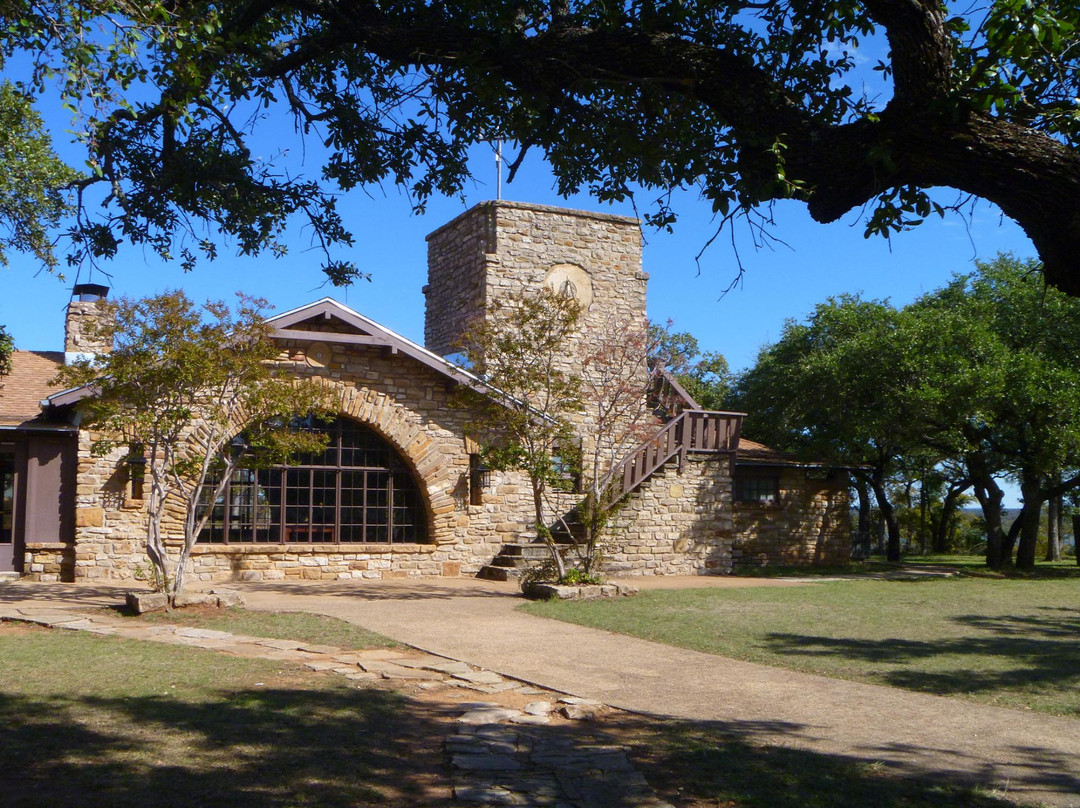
(755, 488)
(400, 497)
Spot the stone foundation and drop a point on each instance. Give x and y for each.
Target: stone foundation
(677, 523)
(330, 562)
(49, 562)
(809, 524)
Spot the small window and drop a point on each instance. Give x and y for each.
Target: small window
(566, 464)
(760, 488)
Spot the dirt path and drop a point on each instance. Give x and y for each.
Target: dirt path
(1028, 756)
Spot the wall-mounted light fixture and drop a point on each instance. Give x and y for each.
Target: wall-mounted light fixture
(136, 463)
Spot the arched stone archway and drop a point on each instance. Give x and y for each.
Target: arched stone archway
(400, 427)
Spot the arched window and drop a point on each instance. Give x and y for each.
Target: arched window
(357, 490)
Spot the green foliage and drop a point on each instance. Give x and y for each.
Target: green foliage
(705, 376)
(982, 376)
(744, 101)
(33, 180)
(548, 572)
(195, 389)
(522, 415)
(7, 345)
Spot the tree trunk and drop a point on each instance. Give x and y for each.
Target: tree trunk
(990, 496)
(1055, 520)
(1031, 489)
(945, 525)
(924, 507)
(1076, 537)
(892, 548)
(542, 531)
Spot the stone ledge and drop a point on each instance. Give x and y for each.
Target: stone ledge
(310, 549)
(48, 545)
(535, 208)
(542, 591)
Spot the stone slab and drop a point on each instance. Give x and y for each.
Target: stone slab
(479, 677)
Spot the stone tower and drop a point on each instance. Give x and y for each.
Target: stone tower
(498, 248)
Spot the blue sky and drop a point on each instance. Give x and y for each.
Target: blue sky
(781, 282)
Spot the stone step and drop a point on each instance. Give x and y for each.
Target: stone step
(493, 573)
(9, 575)
(532, 550)
(513, 562)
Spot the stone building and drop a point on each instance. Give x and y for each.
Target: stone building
(399, 491)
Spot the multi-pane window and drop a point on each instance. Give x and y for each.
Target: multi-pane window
(761, 488)
(356, 490)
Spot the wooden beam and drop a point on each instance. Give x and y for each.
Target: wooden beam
(329, 336)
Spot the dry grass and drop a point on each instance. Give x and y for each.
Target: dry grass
(313, 628)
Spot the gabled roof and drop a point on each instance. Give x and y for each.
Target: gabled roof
(327, 320)
(344, 325)
(22, 390)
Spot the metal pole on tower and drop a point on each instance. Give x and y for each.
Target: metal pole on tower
(498, 168)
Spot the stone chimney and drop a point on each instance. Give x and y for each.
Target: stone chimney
(87, 330)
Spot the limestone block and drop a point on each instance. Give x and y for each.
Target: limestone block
(142, 602)
(89, 517)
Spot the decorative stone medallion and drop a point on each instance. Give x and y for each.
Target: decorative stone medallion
(572, 281)
(317, 354)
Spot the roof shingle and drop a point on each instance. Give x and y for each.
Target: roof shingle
(22, 390)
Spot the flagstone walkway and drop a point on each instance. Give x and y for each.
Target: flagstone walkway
(499, 755)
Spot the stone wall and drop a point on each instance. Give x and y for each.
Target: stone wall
(49, 561)
(460, 255)
(677, 523)
(809, 524)
(408, 404)
(498, 250)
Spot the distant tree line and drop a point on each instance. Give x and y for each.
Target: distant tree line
(934, 403)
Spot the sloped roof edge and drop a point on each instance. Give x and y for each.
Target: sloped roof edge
(328, 305)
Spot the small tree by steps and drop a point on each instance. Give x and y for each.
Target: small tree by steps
(524, 423)
(196, 391)
(543, 407)
(615, 382)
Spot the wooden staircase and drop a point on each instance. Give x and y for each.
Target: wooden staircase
(688, 430)
(691, 431)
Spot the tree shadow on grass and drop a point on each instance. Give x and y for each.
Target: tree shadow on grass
(255, 748)
(335, 747)
(720, 764)
(1040, 649)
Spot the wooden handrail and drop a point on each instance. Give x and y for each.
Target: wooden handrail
(700, 431)
(668, 397)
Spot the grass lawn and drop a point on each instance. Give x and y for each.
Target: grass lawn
(1013, 643)
(89, 721)
(313, 628)
(974, 565)
(710, 766)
